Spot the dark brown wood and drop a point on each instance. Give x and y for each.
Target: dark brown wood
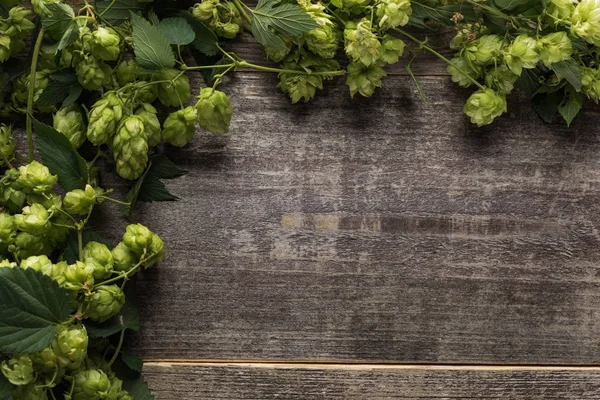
(378, 229)
(368, 383)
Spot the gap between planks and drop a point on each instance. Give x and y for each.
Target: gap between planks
(337, 365)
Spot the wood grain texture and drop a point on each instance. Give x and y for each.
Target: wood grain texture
(378, 229)
(188, 382)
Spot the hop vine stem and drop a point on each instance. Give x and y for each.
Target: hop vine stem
(34, 62)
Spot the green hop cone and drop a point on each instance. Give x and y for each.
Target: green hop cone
(483, 50)
(7, 144)
(172, 94)
(127, 72)
(156, 251)
(214, 111)
(8, 231)
(80, 202)
(501, 79)
(69, 121)
(461, 70)
(590, 83)
(130, 148)
(38, 263)
(558, 11)
(18, 370)
(27, 245)
(104, 118)
(585, 21)
(484, 106)
(7, 264)
(179, 127)
(90, 73)
(124, 258)
(98, 255)
(36, 178)
(21, 88)
(392, 13)
(105, 44)
(151, 123)
(40, 7)
(70, 346)
(522, 53)
(5, 52)
(45, 361)
(105, 303)
(138, 239)
(391, 49)
(355, 6)
(361, 43)
(19, 23)
(323, 41)
(555, 47)
(206, 11)
(35, 220)
(78, 276)
(301, 86)
(364, 80)
(229, 21)
(92, 384)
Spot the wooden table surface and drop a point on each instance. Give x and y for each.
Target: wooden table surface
(377, 248)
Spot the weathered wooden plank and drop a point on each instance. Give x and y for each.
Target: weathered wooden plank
(307, 382)
(378, 229)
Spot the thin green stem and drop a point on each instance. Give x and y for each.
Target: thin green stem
(415, 80)
(113, 200)
(107, 8)
(201, 67)
(424, 46)
(122, 276)
(240, 6)
(225, 53)
(118, 350)
(34, 61)
(80, 243)
(289, 71)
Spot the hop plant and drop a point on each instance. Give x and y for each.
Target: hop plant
(22, 84)
(322, 41)
(78, 276)
(151, 123)
(34, 220)
(19, 23)
(127, 72)
(393, 13)
(69, 121)
(460, 70)
(391, 49)
(36, 178)
(70, 346)
(90, 73)
(174, 93)
(100, 256)
(130, 148)
(105, 116)
(362, 43)
(214, 111)
(555, 47)
(8, 231)
(80, 202)
(522, 53)
(40, 7)
(558, 11)
(483, 50)
(364, 80)
(105, 302)
(179, 127)
(7, 144)
(27, 245)
(18, 370)
(301, 86)
(92, 384)
(5, 51)
(585, 21)
(484, 106)
(105, 44)
(590, 83)
(124, 258)
(38, 263)
(137, 238)
(501, 79)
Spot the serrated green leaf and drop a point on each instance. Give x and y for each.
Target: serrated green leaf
(529, 82)
(149, 187)
(177, 30)
(119, 10)
(206, 40)
(151, 47)
(546, 106)
(128, 317)
(62, 85)
(61, 158)
(74, 93)
(31, 305)
(72, 246)
(131, 360)
(285, 18)
(59, 19)
(571, 106)
(138, 388)
(569, 70)
(6, 388)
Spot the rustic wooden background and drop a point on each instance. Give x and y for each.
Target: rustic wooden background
(377, 248)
